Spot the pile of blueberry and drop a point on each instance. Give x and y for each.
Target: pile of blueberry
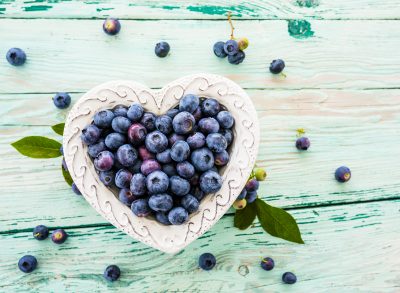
(161, 165)
(233, 49)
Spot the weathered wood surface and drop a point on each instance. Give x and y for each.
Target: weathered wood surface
(179, 9)
(351, 248)
(341, 123)
(75, 55)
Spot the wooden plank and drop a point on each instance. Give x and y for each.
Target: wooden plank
(71, 55)
(346, 127)
(153, 9)
(347, 247)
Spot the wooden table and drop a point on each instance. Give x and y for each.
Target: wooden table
(342, 86)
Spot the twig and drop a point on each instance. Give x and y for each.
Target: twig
(230, 23)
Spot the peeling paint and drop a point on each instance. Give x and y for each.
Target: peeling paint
(238, 10)
(300, 29)
(307, 3)
(38, 8)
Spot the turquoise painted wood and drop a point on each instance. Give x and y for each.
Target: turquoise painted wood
(342, 86)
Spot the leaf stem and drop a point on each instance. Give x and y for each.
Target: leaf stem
(230, 23)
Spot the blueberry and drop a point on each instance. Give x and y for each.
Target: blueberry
(210, 107)
(114, 140)
(190, 203)
(277, 66)
(137, 134)
(27, 263)
(162, 218)
(123, 178)
(180, 151)
(179, 186)
(196, 140)
(302, 143)
(231, 47)
(161, 202)
(121, 111)
(162, 49)
(219, 49)
(62, 150)
(197, 193)
(62, 100)
(228, 134)
(216, 142)
(104, 161)
(144, 154)
(260, 174)
(173, 138)
(112, 273)
(156, 142)
(237, 58)
(111, 26)
(207, 261)
(267, 263)
(64, 164)
(221, 159)
(342, 174)
(189, 103)
(172, 112)
(242, 194)
(164, 157)
(140, 207)
(164, 124)
(127, 155)
(107, 177)
(90, 134)
(197, 114)
(149, 121)
(75, 189)
(239, 204)
(252, 185)
(169, 169)
(210, 182)
(202, 159)
(225, 119)
(40, 232)
(16, 56)
(96, 148)
(178, 216)
(157, 182)
(136, 167)
(103, 119)
(251, 196)
(59, 236)
(126, 196)
(135, 112)
(138, 184)
(185, 169)
(149, 166)
(289, 278)
(121, 124)
(183, 123)
(208, 125)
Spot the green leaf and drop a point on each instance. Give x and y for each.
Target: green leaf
(67, 176)
(38, 147)
(245, 217)
(278, 222)
(58, 128)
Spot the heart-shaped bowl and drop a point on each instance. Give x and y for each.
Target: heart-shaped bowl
(243, 153)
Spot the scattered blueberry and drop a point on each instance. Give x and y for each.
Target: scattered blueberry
(104, 161)
(183, 123)
(75, 189)
(114, 140)
(111, 26)
(135, 112)
(140, 207)
(162, 49)
(27, 263)
(342, 174)
(267, 263)
(16, 56)
(62, 100)
(180, 151)
(207, 261)
(219, 49)
(40, 232)
(178, 216)
(179, 186)
(123, 178)
(112, 273)
(210, 182)
(190, 203)
(302, 143)
(138, 184)
(156, 142)
(189, 103)
(59, 236)
(289, 278)
(161, 202)
(157, 182)
(231, 47)
(277, 66)
(164, 124)
(127, 155)
(236, 58)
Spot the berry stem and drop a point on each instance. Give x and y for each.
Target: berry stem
(230, 23)
(300, 132)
